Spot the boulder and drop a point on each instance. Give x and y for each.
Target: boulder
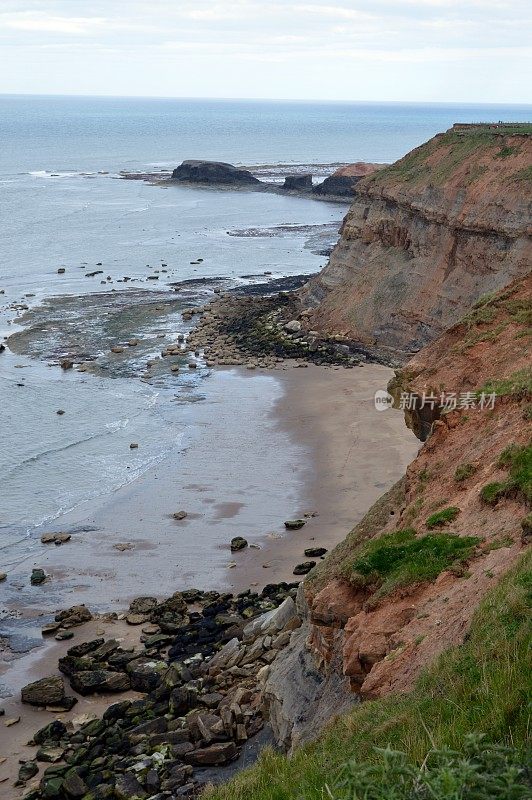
(238, 543)
(213, 173)
(38, 576)
(99, 680)
(298, 183)
(142, 605)
(44, 692)
(315, 552)
(304, 567)
(214, 755)
(294, 326)
(294, 524)
(146, 674)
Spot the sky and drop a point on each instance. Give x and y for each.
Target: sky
(382, 50)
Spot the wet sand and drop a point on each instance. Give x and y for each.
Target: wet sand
(284, 443)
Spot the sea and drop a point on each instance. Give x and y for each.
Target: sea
(124, 246)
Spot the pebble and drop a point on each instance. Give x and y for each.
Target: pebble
(179, 514)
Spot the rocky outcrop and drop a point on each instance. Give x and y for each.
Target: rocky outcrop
(213, 173)
(298, 183)
(426, 237)
(369, 631)
(343, 181)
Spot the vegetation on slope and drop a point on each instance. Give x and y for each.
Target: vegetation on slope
(481, 686)
(400, 559)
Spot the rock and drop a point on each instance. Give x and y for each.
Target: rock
(61, 271)
(66, 363)
(44, 692)
(127, 787)
(179, 514)
(55, 538)
(315, 552)
(62, 636)
(117, 349)
(133, 446)
(50, 755)
(214, 755)
(298, 183)
(143, 605)
(74, 785)
(54, 731)
(11, 721)
(212, 173)
(38, 576)
(99, 680)
(145, 674)
(238, 543)
(294, 326)
(60, 412)
(136, 619)
(27, 771)
(303, 568)
(76, 615)
(3, 576)
(294, 524)
(342, 182)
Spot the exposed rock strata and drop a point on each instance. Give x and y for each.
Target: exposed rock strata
(354, 638)
(425, 237)
(343, 181)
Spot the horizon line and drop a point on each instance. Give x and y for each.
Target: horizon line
(267, 99)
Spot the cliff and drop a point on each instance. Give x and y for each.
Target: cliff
(404, 585)
(426, 237)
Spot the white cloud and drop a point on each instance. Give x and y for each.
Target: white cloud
(44, 23)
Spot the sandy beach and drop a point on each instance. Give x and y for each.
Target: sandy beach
(344, 454)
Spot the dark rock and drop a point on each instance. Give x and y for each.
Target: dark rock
(143, 605)
(44, 692)
(127, 787)
(145, 674)
(52, 732)
(213, 173)
(315, 552)
(214, 755)
(302, 569)
(76, 615)
(74, 785)
(238, 543)
(298, 183)
(27, 771)
(294, 524)
(38, 576)
(82, 649)
(99, 680)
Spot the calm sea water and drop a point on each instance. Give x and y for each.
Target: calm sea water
(64, 205)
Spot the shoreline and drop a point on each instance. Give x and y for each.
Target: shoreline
(315, 413)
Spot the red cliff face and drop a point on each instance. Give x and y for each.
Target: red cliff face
(425, 237)
(360, 641)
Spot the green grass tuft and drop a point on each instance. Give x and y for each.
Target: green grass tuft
(518, 460)
(464, 471)
(491, 493)
(519, 384)
(442, 517)
(401, 559)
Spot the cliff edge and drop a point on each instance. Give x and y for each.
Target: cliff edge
(426, 237)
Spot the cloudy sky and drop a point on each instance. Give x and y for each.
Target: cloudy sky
(434, 50)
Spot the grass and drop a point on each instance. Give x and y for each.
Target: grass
(401, 559)
(480, 770)
(518, 384)
(518, 461)
(481, 686)
(442, 517)
(464, 471)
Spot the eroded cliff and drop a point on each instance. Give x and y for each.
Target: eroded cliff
(425, 237)
(404, 585)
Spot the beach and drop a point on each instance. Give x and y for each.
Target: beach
(344, 455)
